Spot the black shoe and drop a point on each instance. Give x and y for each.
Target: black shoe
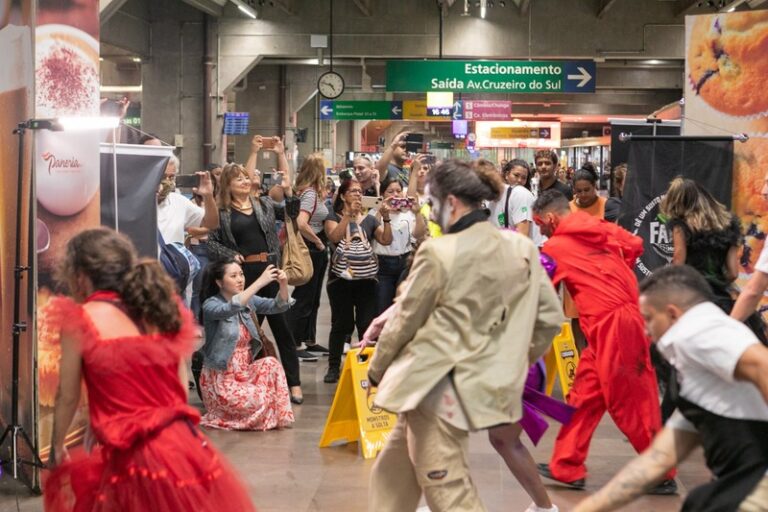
(332, 376)
(665, 488)
(317, 350)
(544, 471)
(306, 356)
(298, 400)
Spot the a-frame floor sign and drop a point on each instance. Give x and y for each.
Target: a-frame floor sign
(353, 417)
(562, 360)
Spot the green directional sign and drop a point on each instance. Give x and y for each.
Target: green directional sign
(360, 110)
(486, 76)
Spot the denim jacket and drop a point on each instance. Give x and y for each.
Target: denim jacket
(221, 320)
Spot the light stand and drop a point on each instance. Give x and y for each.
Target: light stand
(14, 430)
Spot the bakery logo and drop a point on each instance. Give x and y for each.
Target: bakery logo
(656, 236)
(66, 165)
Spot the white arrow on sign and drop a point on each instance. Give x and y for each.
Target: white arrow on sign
(583, 75)
(396, 110)
(326, 110)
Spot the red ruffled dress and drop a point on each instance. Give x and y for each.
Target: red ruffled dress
(151, 455)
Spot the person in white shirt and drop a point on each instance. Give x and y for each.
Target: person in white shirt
(176, 213)
(722, 401)
(408, 229)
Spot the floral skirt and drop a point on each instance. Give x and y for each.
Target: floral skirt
(248, 395)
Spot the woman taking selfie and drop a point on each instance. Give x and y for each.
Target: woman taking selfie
(243, 385)
(408, 229)
(126, 310)
(247, 235)
(354, 267)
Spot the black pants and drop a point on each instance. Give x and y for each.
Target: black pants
(390, 271)
(278, 323)
(302, 317)
(353, 303)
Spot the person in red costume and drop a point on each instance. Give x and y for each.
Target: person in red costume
(595, 259)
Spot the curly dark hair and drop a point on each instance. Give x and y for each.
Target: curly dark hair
(109, 260)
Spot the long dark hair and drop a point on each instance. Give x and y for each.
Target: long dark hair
(110, 261)
(518, 162)
(338, 204)
(213, 272)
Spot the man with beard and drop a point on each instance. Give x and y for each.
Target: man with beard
(176, 213)
(392, 162)
(548, 167)
(594, 259)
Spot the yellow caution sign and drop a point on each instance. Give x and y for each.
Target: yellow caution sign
(562, 360)
(353, 416)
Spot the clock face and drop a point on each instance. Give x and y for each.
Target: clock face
(330, 85)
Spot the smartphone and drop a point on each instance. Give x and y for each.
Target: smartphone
(371, 202)
(272, 260)
(414, 142)
(267, 142)
(430, 159)
(187, 180)
(402, 203)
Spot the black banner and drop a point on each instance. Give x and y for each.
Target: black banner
(652, 165)
(138, 173)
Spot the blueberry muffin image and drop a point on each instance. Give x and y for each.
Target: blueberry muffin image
(728, 62)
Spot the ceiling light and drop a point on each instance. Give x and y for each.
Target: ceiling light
(136, 59)
(245, 8)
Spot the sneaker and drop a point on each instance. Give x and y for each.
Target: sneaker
(316, 349)
(306, 356)
(665, 488)
(546, 473)
(347, 347)
(332, 376)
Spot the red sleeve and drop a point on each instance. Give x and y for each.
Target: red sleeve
(631, 246)
(553, 248)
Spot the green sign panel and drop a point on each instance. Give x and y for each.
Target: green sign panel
(484, 76)
(360, 110)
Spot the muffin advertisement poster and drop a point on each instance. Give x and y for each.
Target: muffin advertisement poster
(16, 97)
(726, 69)
(66, 170)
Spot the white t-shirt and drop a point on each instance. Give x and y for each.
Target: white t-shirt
(175, 215)
(762, 261)
(403, 224)
(520, 206)
(705, 345)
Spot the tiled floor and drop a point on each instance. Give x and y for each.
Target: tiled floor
(285, 471)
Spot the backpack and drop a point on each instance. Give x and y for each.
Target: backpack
(180, 264)
(353, 258)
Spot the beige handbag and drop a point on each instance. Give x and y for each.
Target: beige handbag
(297, 263)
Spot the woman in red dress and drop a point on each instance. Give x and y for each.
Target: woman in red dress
(126, 334)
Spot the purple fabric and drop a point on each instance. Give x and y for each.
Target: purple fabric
(536, 404)
(548, 263)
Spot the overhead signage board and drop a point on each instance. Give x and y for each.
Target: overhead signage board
(506, 76)
(482, 110)
(416, 110)
(360, 110)
(517, 134)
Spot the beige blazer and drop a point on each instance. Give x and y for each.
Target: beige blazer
(478, 305)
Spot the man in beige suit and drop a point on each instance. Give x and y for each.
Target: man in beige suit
(476, 310)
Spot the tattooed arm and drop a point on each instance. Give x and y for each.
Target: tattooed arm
(669, 448)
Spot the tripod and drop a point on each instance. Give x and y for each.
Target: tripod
(14, 430)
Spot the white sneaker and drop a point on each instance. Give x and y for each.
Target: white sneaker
(534, 508)
(347, 347)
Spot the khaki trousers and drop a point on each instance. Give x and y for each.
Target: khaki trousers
(423, 454)
(758, 500)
